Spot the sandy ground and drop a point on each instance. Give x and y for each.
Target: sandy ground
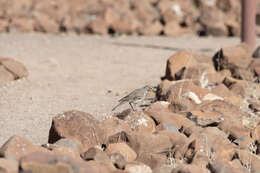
(77, 72)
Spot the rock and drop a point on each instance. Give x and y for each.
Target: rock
(113, 126)
(212, 20)
(97, 25)
(230, 166)
(17, 147)
(161, 114)
(7, 166)
(65, 147)
(254, 106)
(120, 137)
(45, 23)
(238, 87)
(69, 143)
(163, 169)
(249, 160)
(256, 53)
(79, 126)
(17, 69)
(125, 23)
(46, 162)
(205, 119)
(255, 69)
(91, 153)
(118, 160)
(22, 24)
(5, 75)
(144, 11)
(212, 142)
(186, 89)
(189, 168)
(154, 28)
(149, 142)
(140, 122)
(236, 59)
(235, 120)
(199, 75)
(173, 29)
(104, 166)
(177, 64)
(138, 168)
(123, 149)
(154, 160)
(3, 25)
(232, 97)
(179, 142)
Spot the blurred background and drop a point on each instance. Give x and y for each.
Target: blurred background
(131, 17)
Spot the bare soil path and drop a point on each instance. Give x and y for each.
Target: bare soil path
(87, 73)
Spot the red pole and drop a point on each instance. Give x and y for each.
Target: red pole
(248, 22)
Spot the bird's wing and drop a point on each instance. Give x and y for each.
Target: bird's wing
(126, 98)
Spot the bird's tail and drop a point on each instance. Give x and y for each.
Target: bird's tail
(117, 106)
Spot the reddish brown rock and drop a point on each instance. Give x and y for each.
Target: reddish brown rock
(254, 106)
(97, 25)
(105, 166)
(17, 147)
(179, 142)
(255, 69)
(137, 167)
(212, 20)
(249, 160)
(65, 147)
(79, 126)
(205, 119)
(123, 149)
(186, 89)
(45, 23)
(22, 24)
(236, 86)
(236, 59)
(5, 75)
(144, 11)
(199, 74)
(149, 142)
(232, 97)
(140, 122)
(189, 168)
(161, 114)
(7, 166)
(17, 69)
(46, 162)
(173, 29)
(212, 142)
(228, 166)
(154, 28)
(114, 126)
(177, 64)
(3, 25)
(154, 160)
(163, 169)
(92, 153)
(118, 160)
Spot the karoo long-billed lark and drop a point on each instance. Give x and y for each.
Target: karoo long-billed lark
(135, 97)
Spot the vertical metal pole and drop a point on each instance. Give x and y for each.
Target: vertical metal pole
(248, 34)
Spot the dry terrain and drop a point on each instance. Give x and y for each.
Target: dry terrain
(87, 73)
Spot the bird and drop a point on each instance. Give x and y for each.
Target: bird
(135, 97)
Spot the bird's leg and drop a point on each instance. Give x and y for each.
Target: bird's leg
(130, 103)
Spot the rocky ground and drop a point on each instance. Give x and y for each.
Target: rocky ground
(206, 118)
(134, 17)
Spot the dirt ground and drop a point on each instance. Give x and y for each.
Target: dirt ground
(87, 73)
